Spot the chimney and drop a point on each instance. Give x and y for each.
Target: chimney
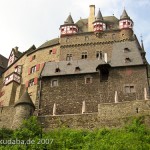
(91, 18)
(16, 49)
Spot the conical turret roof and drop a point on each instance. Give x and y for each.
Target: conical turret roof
(25, 99)
(124, 15)
(69, 20)
(99, 16)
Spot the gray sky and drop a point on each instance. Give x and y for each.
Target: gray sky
(27, 22)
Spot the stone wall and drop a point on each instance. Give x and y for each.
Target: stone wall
(6, 116)
(72, 90)
(124, 109)
(109, 115)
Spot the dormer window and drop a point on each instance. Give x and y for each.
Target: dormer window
(57, 70)
(127, 60)
(77, 68)
(126, 50)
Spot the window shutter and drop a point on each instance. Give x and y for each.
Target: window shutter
(54, 50)
(27, 84)
(37, 67)
(35, 80)
(29, 71)
(30, 58)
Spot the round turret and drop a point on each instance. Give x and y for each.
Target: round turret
(68, 28)
(24, 109)
(125, 22)
(99, 24)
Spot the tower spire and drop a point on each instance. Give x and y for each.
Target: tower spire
(99, 16)
(142, 45)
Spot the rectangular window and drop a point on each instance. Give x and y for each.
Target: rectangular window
(33, 69)
(99, 55)
(69, 57)
(31, 82)
(50, 52)
(84, 55)
(54, 83)
(88, 80)
(129, 89)
(18, 69)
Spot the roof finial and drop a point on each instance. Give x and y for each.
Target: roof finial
(123, 4)
(141, 38)
(142, 45)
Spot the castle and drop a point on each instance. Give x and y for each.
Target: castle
(96, 61)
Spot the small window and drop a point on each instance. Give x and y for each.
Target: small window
(31, 82)
(126, 50)
(50, 52)
(84, 55)
(54, 83)
(129, 89)
(127, 60)
(33, 69)
(124, 23)
(57, 70)
(34, 56)
(88, 80)
(69, 57)
(128, 23)
(99, 55)
(86, 38)
(77, 69)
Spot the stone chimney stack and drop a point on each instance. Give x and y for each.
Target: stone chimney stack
(91, 18)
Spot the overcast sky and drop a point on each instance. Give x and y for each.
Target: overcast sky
(27, 22)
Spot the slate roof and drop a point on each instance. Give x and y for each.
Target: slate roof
(109, 20)
(119, 56)
(69, 20)
(99, 16)
(49, 43)
(3, 62)
(69, 68)
(124, 15)
(25, 99)
(31, 49)
(118, 59)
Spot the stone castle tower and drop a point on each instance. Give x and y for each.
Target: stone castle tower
(24, 108)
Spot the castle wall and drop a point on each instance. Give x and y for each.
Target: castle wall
(72, 90)
(109, 115)
(6, 116)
